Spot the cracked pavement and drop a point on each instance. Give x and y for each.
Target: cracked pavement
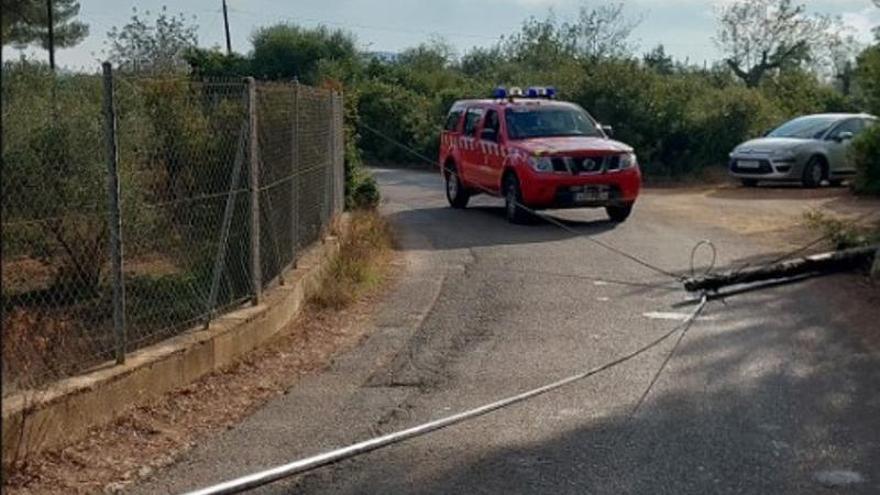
(774, 391)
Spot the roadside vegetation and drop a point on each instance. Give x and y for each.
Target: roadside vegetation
(359, 265)
(683, 117)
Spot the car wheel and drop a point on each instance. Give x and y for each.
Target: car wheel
(513, 209)
(750, 182)
(619, 214)
(814, 172)
(457, 195)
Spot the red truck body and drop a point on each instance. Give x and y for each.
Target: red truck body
(539, 153)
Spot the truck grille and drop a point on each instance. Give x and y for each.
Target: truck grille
(586, 165)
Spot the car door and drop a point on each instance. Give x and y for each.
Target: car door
(490, 136)
(838, 144)
(471, 159)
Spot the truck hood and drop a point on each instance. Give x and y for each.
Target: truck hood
(766, 145)
(566, 145)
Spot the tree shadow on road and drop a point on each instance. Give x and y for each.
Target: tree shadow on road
(778, 391)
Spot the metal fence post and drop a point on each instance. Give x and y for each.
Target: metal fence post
(254, 186)
(339, 170)
(114, 216)
(294, 171)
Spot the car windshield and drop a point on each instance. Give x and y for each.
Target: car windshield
(804, 128)
(524, 122)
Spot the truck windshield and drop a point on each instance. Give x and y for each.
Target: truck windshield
(524, 123)
(813, 127)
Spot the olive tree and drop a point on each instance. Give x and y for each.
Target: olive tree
(760, 36)
(160, 45)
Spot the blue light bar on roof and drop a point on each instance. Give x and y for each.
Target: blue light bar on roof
(532, 92)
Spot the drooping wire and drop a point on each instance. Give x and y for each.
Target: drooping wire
(267, 476)
(543, 216)
(697, 246)
(790, 254)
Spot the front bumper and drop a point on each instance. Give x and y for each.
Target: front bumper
(557, 190)
(767, 169)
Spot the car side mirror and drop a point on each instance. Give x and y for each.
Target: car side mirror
(608, 130)
(844, 136)
(489, 135)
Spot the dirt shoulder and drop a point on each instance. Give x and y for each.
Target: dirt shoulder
(115, 456)
(774, 215)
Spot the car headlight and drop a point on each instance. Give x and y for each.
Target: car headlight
(782, 156)
(541, 163)
(628, 160)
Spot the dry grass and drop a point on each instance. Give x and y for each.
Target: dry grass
(115, 456)
(355, 270)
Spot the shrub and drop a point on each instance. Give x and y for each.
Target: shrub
(866, 154)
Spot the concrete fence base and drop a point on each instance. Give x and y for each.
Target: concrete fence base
(62, 413)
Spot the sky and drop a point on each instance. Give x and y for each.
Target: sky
(684, 27)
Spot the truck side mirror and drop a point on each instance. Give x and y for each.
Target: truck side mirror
(608, 130)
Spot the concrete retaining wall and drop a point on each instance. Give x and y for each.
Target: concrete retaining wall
(34, 421)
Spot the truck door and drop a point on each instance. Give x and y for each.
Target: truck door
(493, 163)
(471, 159)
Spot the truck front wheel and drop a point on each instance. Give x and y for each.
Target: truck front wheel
(619, 213)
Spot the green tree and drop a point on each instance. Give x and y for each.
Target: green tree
(761, 36)
(26, 22)
(659, 61)
(868, 78)
(160, 46)
(287, 51)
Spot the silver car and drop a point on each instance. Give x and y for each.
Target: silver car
(809, 149)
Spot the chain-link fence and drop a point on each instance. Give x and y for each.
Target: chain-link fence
(215, 188)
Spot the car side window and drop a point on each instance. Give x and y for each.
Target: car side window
(452, 120)
(854, 126)
(471, 121)
(492, 123)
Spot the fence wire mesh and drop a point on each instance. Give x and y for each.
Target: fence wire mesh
(186, 201)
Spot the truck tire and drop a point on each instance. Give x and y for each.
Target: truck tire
(513, 209)
(619, 213)
(456, 193)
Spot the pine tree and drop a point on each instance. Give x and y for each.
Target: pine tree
(26, 22)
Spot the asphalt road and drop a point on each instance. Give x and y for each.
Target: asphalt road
(773, 391)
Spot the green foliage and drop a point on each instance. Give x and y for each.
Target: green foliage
(25, 22)
(216, 64)
(866, 154)
(798, 92)
(868, 78)
(159, 47)
(287, 51)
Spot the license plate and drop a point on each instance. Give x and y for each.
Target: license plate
(748, 164)
(591, 194)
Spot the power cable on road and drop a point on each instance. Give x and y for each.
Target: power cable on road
(271, 475)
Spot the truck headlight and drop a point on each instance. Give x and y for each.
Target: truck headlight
(628, 160)
(541, 163)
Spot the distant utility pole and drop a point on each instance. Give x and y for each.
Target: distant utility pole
(51, 40)
(226, 25)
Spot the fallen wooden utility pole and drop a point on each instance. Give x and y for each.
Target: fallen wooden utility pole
(836, 261)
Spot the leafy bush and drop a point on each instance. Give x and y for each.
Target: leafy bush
(866, 154)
